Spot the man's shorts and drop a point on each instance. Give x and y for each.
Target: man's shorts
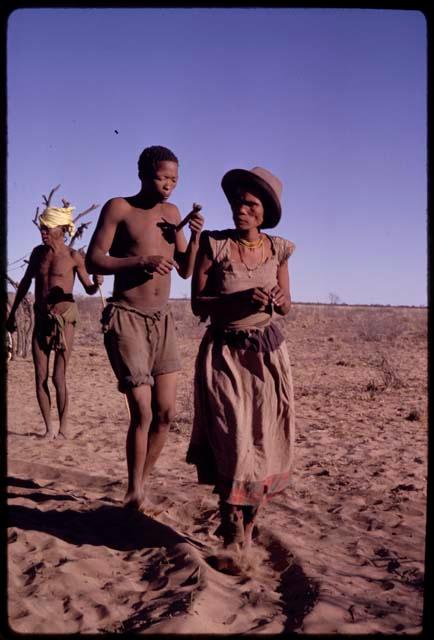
(139, 345)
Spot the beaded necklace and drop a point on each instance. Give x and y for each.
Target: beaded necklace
(252, 246)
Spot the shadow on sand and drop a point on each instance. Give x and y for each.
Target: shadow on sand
(110, 526)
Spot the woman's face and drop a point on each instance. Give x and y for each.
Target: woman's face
(247, 211)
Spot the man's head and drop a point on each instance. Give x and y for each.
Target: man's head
(56, 221)
(158, 171)
(52, 234)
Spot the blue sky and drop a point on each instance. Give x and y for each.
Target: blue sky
(332, 101)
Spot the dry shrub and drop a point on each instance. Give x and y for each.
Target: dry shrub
(389, 377)
(21, 339)
(376, 327)
(186, 323)
(413, 415)
(372, 387)
(390, 323)
(366, 323)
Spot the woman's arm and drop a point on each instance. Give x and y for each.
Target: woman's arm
(280, 294)
(201, 304)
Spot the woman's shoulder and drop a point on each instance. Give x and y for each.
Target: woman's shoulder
(216, 242)
(218, 235)
(283, 247)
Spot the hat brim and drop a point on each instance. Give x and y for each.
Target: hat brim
(236, 178)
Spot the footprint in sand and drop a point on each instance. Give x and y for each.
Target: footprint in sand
(32, 572)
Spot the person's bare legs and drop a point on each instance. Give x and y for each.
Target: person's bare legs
(41, 361)
(61, 360)
(163, 412)
(140, 406)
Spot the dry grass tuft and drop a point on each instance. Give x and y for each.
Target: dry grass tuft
(414, 416)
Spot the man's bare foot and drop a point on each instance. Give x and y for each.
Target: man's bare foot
(63, 434)
(134, 500)
(49, 435)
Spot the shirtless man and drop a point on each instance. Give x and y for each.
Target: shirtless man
(54, 266)
(143, 237)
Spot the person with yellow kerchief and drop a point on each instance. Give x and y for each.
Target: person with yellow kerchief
(53, 265)
(53, 217)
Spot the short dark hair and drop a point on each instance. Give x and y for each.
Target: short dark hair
(151, 156)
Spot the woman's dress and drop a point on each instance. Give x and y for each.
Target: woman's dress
(244, 421)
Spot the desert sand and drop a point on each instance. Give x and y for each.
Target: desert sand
(340, 552)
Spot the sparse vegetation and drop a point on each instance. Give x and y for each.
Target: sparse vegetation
(359, 485)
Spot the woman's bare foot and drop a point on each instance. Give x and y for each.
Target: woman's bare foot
(248, 535)
(226, 562)
(250, 514)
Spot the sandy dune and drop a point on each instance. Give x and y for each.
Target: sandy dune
(341, 552)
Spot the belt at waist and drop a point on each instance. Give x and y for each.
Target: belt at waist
(259, 340)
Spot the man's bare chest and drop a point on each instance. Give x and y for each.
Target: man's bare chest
(146, 234)
(56, 265)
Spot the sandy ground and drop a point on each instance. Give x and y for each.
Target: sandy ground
(341, 552)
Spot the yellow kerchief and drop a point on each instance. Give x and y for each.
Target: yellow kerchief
(58, 217)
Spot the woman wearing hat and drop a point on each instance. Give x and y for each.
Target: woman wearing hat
(243, 430)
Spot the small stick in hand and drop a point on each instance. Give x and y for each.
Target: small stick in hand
(102, 297)
(196, 208)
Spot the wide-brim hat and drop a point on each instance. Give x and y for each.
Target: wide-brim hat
(263, 182)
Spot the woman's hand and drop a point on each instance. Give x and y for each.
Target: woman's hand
(277, 296)
(260, 298)
(279, 299)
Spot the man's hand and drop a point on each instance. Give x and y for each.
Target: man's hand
(11, 324)
(194, 219)
(97, 279)
(195, 223)
(158, 264)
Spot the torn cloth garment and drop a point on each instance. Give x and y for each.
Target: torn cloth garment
(50, 325)
(244, 418)
(244, 423)
(140, 345)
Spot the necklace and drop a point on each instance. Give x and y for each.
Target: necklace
(251, 269)
(251, 245)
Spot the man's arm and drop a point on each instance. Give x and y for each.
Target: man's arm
(97, 259)
(185, 255)
(90, 287)
(22, 290)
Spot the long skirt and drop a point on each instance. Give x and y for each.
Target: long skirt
(244, 422)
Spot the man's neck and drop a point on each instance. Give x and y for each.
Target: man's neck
(57, 246)
(144, 200)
